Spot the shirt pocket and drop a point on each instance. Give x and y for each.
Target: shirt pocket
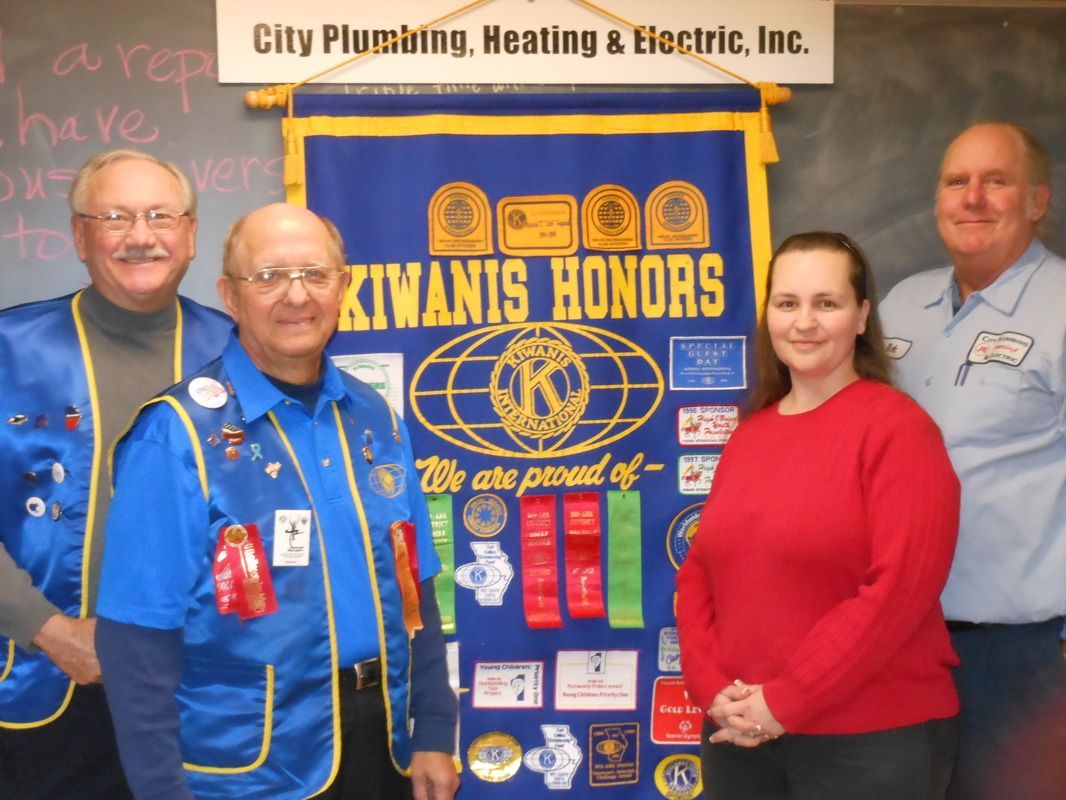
(994, 405)
(227, 712)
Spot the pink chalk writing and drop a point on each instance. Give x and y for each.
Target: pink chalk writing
(131, 125)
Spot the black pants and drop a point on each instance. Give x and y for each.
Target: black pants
(366, 770)
(72, 758)
(1012, 688)
(909, 763)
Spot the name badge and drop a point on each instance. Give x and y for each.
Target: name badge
(292, 538)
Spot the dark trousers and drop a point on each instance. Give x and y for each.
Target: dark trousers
(72, 758)
(908, 763)
(366, 770)
(1012, 736)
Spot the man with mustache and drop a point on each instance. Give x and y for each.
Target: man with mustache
(75, 368)
(982, 346)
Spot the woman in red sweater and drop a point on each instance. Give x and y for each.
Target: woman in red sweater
(808, 606)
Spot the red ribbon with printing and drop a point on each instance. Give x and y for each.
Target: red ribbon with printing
(540, 574)
(581, 538)
(405, 556)
(242, 574)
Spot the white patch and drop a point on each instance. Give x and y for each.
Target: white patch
(669, 650)
(489, 576)
(59, 474)
(558, 760)
(508, 684)
(292, 538)
(207, 392)
(706, 425)
(695, 473)
(897, 348)
(1004, 348)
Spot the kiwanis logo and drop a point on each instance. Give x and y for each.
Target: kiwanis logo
(534, 390)
(540, 388)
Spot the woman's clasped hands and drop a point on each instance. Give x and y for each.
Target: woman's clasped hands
(742, 716)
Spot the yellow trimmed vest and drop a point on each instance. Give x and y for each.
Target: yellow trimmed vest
(258, 699)
(51, 458)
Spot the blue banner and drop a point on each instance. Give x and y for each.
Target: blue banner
(557, 292)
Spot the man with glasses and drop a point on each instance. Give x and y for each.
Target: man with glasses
(75, 369)
(268, 626)
(982, 346)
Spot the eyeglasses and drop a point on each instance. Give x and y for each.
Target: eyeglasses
(277, 280)
(123, 222)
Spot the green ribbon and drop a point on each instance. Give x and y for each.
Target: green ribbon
(624, 591)
(440, 524)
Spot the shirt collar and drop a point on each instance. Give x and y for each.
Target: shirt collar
(257, 394)
(1004, 291)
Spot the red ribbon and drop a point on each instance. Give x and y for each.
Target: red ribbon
(584, 577)
(242, 574)
(540, 574)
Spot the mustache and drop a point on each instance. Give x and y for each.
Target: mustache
(141, 253)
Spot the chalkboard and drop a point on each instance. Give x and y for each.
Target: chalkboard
(859, 156)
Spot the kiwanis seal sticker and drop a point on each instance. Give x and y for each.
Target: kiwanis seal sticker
(484, 515)
(680, 532)
(388, 480)
(678, 777)
(494, 757)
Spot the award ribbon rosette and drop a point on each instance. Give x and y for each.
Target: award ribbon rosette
(242, 574)
(540, 575)
(584, 578)
(405, 553)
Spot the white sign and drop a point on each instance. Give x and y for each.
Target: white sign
(508, 684)
(380, 371)
(596, 680)
(525, 41)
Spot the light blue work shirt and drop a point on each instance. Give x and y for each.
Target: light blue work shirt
(993, 376)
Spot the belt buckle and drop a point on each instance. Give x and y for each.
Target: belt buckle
(367, 673)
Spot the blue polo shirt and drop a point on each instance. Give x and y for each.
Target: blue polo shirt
(993, 376)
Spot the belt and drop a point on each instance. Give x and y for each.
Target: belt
(957, 625)
(367, 673)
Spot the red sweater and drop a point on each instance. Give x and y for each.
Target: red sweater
(818, 564)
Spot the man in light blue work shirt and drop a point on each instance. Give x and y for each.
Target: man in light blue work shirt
(982, 346)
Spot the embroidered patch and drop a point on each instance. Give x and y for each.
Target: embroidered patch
(388, 480)
(1008, 348)
(897, 348)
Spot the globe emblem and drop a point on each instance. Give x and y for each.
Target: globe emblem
(460, 215)
(611, 216)
(477, 576)
(531, 390)
(676, 211)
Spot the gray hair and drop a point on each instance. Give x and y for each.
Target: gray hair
(79, 189)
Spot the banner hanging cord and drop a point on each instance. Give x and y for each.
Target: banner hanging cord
(769, 93)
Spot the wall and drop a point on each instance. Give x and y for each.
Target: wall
(859, 156)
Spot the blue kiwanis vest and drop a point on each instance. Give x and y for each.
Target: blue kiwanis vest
(259, 699)
(51, 458)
